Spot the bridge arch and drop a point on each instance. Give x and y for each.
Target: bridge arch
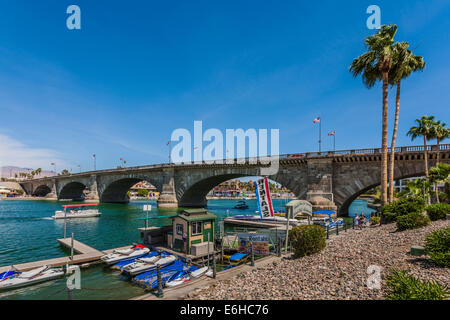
(42, 191)
(72, 191)
(350, 184)
(116, 190)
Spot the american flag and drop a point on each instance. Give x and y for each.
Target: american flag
(316, 120)
(168, 142)
(121, 159)
(332, 133)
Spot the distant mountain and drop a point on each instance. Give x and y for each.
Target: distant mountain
(10, 171)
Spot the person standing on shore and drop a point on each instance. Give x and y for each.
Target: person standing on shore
(362, 220)
(356, 221)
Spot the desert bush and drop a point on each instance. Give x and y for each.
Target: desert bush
(437, 246)
(390, 212)
(307, 239)
(438, 211)
(412, 220)
(374, 220)
(402, 286)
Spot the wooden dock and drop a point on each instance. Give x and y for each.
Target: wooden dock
(78, 246)
(85, 254)
(255, 224)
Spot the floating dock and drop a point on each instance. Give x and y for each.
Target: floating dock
(85, 254)
(255, 224)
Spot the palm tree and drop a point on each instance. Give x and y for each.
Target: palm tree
(424, 129)
(375, 62)
(404, 63)
(440, 173)
(440, 132)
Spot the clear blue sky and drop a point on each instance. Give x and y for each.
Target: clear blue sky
(137, 70)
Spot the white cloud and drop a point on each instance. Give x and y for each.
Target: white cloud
(15, 153)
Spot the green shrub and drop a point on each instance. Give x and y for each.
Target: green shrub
(438, 211)
(374, 220)
(402, 207)
(401, 286)
(412, 220)
(437, 246)
(307, 239)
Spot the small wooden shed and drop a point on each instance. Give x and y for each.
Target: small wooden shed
(192, 226)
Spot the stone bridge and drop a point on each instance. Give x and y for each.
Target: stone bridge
(338, 176)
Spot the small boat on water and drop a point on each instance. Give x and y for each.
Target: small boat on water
(241, 205)
(22, 279)
(150, 278)
(77, 211)
(146, 264)
(133, 252)
(177, 279)
(122, 264)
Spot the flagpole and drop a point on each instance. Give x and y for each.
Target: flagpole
(320, 134)
(334, 141)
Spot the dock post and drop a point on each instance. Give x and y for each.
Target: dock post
(252, 255)
(71, 248)
(160, 293)
(279, 247)
(214, 265)
(208, 250)
(337, 229)
(328, 232)
(353, 223)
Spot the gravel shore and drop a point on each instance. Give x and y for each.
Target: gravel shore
(338, 272)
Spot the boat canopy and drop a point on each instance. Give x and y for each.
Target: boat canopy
(328, 212)
(80, 205)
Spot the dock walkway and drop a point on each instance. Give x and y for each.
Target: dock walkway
(85, 254)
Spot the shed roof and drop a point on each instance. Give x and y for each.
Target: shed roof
(196, 215)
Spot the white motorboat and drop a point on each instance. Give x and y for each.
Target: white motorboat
(184, 277)
(125, 254)
(77, 211)
(199, 272)
(41, 274)
(147, 264)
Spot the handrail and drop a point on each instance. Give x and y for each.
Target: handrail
(257, 160)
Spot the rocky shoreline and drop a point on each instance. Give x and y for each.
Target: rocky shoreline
(338, 272)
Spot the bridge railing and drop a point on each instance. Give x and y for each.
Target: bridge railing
(258, 160)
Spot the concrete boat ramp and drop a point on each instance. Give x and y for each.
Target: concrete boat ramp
(85, 254)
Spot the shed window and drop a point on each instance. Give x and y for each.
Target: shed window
(196, 228)
(179, 229)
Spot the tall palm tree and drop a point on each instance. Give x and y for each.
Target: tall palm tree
(404, 63)
(375, 62)
(424, 129)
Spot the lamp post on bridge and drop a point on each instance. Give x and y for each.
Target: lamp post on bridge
(95, 160)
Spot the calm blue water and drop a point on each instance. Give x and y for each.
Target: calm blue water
(28, 233)
(359, 206)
